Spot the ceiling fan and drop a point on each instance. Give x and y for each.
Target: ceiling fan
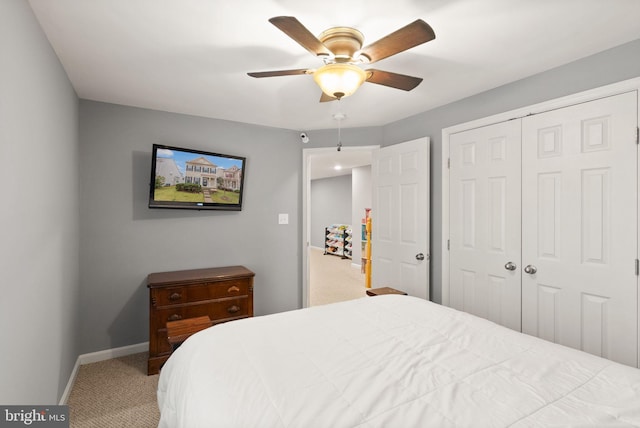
(341, 50)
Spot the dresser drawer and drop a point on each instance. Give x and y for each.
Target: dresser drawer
(215, 310)
(207, 291)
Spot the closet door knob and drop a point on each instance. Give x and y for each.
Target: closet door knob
(510, 266)
(419, 256)
(530, 269)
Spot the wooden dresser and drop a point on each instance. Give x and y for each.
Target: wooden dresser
(223, 294)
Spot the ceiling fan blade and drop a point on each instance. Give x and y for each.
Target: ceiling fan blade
(414, 34)
(279, 73)
(298, 32)
(393, 80)
(326, 98)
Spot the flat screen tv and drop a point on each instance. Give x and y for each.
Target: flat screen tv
(195, 179)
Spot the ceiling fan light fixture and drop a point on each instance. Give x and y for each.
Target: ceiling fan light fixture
(340, 48)
(339, 80)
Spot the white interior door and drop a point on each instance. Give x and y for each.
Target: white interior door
(579, 227)
(484, 222)
(400, 217)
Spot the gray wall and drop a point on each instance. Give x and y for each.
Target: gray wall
(39, 213)
(607, 67)
(122, 240)
(369, 136)
(330, 200)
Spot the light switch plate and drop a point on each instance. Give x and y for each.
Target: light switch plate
(283, 218)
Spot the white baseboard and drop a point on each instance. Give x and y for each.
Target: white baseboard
(108, 354)
(72, 380)
(95, 357)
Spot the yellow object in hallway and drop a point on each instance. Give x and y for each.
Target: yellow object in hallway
(367, 272)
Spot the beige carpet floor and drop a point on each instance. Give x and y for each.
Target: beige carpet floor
(118, 393)
(114, 393)
(333, 279)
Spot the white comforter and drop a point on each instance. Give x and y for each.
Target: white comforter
(388, 361)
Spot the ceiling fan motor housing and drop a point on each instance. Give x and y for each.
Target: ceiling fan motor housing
(344, 42)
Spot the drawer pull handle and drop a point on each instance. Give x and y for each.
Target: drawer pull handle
(175, 296)
(174, 317)
(233, 289)
(233, 309)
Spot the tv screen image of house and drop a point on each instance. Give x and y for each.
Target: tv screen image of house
(195, 179)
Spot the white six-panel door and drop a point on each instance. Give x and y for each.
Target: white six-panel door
(579, 232)
(400, 217)
(485, 268)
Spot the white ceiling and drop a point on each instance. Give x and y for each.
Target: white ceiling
(192, 56)
(328, 162)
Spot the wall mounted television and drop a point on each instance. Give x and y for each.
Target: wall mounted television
(195, 179)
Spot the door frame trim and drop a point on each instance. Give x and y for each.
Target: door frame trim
(566, 101)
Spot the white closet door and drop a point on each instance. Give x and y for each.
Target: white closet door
(400, 217)
(579, 227)
(485, 222)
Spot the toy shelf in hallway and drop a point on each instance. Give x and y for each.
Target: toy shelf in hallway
(338, 240)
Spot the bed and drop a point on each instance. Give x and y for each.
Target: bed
(388, 361)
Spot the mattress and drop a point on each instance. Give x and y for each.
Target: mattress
(388, 361)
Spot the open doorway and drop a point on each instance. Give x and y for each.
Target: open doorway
(332, 197)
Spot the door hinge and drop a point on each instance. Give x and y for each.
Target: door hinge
(448, 244)
(637, 134)
(637, 267)
(448, 163)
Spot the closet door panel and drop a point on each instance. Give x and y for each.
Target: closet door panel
(579, 227)
(485, 222)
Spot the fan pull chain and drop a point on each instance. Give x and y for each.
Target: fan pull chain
(339, 136)
(339, 117)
